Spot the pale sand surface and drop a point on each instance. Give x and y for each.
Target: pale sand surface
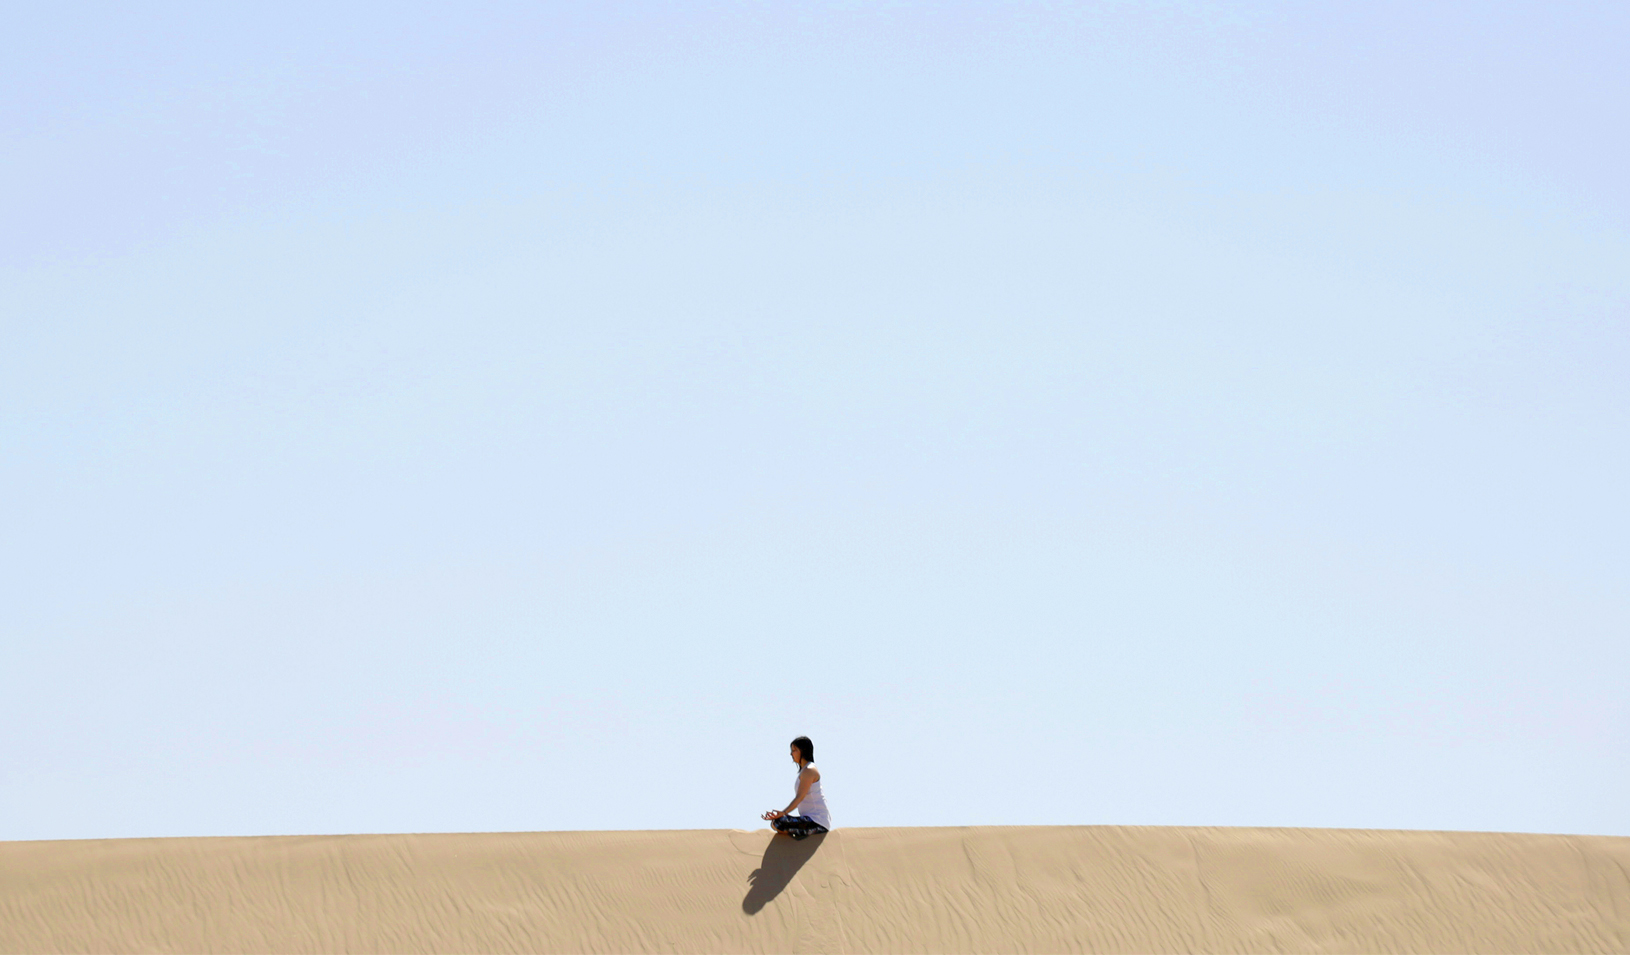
(1019, 889)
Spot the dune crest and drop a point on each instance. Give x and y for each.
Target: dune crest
(1040, 889)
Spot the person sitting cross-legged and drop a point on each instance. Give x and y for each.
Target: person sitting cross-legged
(806, 794)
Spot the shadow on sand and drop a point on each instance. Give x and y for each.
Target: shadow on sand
(781, 862)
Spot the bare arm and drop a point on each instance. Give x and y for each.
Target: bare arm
(806, 779)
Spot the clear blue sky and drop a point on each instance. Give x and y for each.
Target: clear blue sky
(415, 418)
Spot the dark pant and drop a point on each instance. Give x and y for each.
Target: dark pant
(798, 827)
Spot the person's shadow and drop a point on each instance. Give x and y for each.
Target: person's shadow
(781, 862)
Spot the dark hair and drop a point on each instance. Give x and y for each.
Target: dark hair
(805, 747)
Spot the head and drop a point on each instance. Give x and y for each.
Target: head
(803, 751)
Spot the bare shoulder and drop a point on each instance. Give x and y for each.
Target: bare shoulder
(811, 773)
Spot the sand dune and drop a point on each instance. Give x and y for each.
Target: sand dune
(1043, 889)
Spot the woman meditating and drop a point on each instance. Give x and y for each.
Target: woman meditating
(806, 793)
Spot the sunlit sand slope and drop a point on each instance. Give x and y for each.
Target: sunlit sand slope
(1042, 889)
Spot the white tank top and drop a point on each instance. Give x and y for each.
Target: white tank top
(814, 804)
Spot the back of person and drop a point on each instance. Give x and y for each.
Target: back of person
(813, 804)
